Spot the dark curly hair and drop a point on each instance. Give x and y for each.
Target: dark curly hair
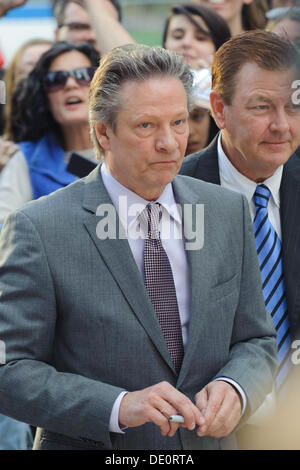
(31, 117)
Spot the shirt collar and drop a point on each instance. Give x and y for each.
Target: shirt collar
(235, 180)
(129, 204)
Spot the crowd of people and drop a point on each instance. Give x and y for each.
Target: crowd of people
(222, 77)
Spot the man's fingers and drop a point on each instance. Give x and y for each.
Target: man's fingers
(213, 405)
(201, 403)
(182, 405)
(156, 404)
(223, 409)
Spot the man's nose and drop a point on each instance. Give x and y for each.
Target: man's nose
(166, 141)
(280, 121)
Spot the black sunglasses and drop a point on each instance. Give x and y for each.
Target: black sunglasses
(56, 80)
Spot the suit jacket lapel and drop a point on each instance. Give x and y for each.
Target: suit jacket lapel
(199, 281)
(208, 167)
(118, 258)
(289, 212)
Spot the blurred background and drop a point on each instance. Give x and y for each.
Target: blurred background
(143, 18)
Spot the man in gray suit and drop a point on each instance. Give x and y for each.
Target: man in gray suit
(98, 353)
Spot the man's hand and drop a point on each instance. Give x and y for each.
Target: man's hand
(220, 403)
(6, 5)
(155, 404)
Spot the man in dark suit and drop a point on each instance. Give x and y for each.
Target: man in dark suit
(109, 323)
(255, 104)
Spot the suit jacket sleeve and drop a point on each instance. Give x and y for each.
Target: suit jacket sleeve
(65, 403)
(252, 361)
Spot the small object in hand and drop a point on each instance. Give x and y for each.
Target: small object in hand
(176, 419)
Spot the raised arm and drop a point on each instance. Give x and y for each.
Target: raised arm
(109, 31)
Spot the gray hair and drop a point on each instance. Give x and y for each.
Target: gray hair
(131, 63)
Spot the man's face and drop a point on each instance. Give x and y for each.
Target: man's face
(147, 148)
(261, 127)
(77, 24)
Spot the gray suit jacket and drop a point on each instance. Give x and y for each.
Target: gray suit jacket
(79, 327)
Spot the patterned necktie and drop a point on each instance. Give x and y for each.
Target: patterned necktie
(160, 285)
(268, 248)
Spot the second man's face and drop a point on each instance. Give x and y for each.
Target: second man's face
(261, 127)
(146, 150)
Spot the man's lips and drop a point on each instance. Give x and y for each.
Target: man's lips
(281, 142)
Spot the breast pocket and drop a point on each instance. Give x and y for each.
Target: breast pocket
(225, 288)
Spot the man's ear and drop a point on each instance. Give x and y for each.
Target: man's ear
(217, 108)
(102, 136)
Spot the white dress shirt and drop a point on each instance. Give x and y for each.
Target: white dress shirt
(232, 179)
(128, 206)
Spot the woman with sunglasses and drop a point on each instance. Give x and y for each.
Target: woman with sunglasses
(49, 123)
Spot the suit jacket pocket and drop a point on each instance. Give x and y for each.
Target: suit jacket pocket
(225, 288)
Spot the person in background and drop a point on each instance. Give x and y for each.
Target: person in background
(202, 127)
(74, 23)
(254, 154)
(49, 123)
(287, 25)
(6, 5)
(240, 15)
(22, 62)
(14, 435)
(280, 7)
(196, 33)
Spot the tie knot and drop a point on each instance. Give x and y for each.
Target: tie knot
(150, 217)
(261, 196)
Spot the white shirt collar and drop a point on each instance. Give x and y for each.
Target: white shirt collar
(233, 178)
(124, 199)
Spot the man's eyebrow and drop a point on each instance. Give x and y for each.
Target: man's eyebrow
(259, 98)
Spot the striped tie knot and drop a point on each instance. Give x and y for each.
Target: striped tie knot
(261, 196)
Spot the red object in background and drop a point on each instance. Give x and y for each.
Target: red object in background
(1, 60)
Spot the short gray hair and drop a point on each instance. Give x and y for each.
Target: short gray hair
(131, 63)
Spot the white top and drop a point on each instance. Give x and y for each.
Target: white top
(15, 183)
(232, 179)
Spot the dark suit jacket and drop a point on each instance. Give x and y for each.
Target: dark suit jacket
(204, 165)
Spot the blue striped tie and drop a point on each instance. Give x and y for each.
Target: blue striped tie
(268, 248)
